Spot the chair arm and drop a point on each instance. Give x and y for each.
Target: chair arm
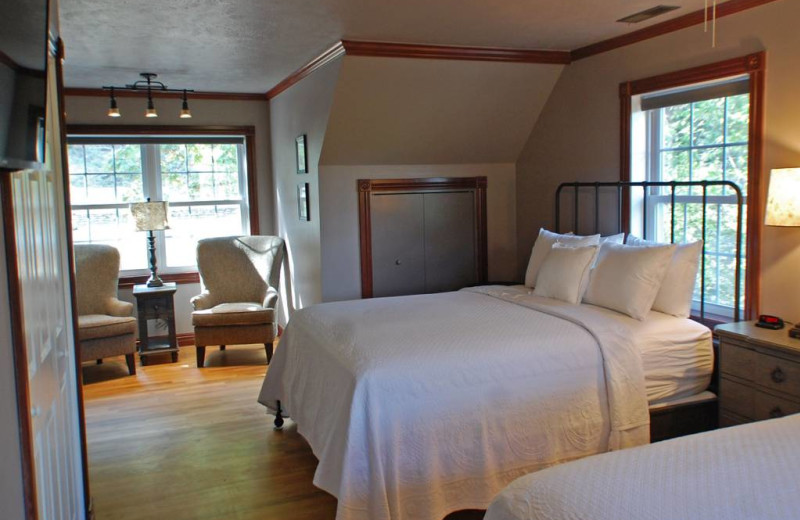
(271, 299)
(115, 307)
(202, 301)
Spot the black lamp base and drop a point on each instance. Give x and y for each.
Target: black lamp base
(154, 280)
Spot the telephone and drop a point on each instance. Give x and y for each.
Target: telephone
(769, 322)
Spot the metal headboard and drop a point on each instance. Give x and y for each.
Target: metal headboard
(623, 191)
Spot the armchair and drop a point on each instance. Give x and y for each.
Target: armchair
(240, 277)
(106, 326)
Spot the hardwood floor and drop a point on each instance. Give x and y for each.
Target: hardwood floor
(176, 442)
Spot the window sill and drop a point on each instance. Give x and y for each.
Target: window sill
(126, 282)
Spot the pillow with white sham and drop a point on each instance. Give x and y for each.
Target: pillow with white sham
(677, 289)
(627, 278)
(619, 238)
(564, 273)
(543, 244)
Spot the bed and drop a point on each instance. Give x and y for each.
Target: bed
(417, 406)
(744, 472)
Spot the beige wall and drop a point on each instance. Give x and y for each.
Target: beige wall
(302, 109)
(92, 110)
(577, 134)
(341, 272)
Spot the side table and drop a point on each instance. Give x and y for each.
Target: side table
(156, 303)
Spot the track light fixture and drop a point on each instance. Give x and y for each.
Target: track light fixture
(148, 85)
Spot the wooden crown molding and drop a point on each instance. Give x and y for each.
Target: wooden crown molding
(676, 24)
(330, 54)
(219, 96)
(449, 52)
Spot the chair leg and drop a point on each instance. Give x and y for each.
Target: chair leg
(268, 348)
(222, 347)
(99, 361)
(131, 360)
(201, 356)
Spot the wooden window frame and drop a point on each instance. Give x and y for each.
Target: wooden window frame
(366, 187)
(754, 65)
(249, 134)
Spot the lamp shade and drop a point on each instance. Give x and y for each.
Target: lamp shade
(783, 199)
(150, 216)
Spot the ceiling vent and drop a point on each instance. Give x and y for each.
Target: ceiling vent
(648, 13)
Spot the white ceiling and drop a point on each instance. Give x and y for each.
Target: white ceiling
(250, 45)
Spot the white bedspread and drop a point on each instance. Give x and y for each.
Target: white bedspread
(420, 405)
(742, 473)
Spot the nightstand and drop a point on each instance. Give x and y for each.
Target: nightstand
(156, 303)
(759, 373)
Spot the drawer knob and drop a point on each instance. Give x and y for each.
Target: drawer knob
(776, 412)
(778, 376)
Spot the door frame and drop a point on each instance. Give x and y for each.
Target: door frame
(368, 187)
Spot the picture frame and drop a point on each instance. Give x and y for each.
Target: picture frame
(303, 204)
(301, 150)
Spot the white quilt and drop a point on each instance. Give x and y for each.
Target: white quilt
(421, 405)
(742, 473)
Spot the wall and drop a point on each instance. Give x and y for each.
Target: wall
(341, 272)
(92, 110)
(302, 109)
(11, 496)
(577, 134)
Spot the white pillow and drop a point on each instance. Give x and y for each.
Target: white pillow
(627, 278)
(564, 274)
(543, 244)
(614, 239)
(675, 295)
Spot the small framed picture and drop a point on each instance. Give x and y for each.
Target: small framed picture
(302, 154)
(302, 202)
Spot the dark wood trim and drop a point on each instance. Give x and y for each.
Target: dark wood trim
(366, 187)
(453, 52)
(330, 54)
(20, 350)
(249, 133)
(625, 153)
(676, 24)
(755, 66)
(218, 96)
(126, 282)
(62, 125)
(185, 339)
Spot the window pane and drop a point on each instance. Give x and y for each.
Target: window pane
(675, 166)
(173, 157)
(226, 158)
(112, 227)
(77, 189)
(101, 189)
(174, 186)
(738, 118)
(201, 157)
(676, 126)
(130, 188)
(128, 158)
(75, 157)
(707, 166)
(708, 117)
(188, 224)
(99, 158)
(736, 166)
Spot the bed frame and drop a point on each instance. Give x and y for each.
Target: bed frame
(669, 420)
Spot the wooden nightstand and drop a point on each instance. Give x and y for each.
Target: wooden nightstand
(759, 373)
(156, 303)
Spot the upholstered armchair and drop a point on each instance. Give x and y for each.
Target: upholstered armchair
(240, 277)
(106, 326)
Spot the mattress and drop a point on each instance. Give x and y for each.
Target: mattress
(417, 406)
(738, 473)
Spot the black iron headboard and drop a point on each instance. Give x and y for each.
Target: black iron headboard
(622, 213)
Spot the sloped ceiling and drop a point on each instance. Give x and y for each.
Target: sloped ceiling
(408, 111)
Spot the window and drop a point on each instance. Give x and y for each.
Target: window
(203, 178)
(700, 124)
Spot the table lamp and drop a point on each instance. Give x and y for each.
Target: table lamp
(783, 206)
(151, 216)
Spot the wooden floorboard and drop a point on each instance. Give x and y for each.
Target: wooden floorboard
(176, 442)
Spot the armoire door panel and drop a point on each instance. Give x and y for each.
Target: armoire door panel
(449, 241)
(398, 252)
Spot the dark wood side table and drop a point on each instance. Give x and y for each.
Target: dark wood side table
(156, 303)
(759, 373)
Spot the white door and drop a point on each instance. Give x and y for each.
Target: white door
(37, 206)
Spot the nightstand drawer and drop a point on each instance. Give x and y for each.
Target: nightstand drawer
(769, 407)
(778, 374)
(152, 308)
(737, 361)
(737, 398)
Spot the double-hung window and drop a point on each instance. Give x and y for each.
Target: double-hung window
(696, 133)
(204, 179)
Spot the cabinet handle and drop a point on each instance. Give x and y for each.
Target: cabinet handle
(778, 375)
(397, 262)
(776, 412)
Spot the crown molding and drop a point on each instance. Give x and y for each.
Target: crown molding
(676, 24)
(220, 96)
(452, 52)
(330, 54)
